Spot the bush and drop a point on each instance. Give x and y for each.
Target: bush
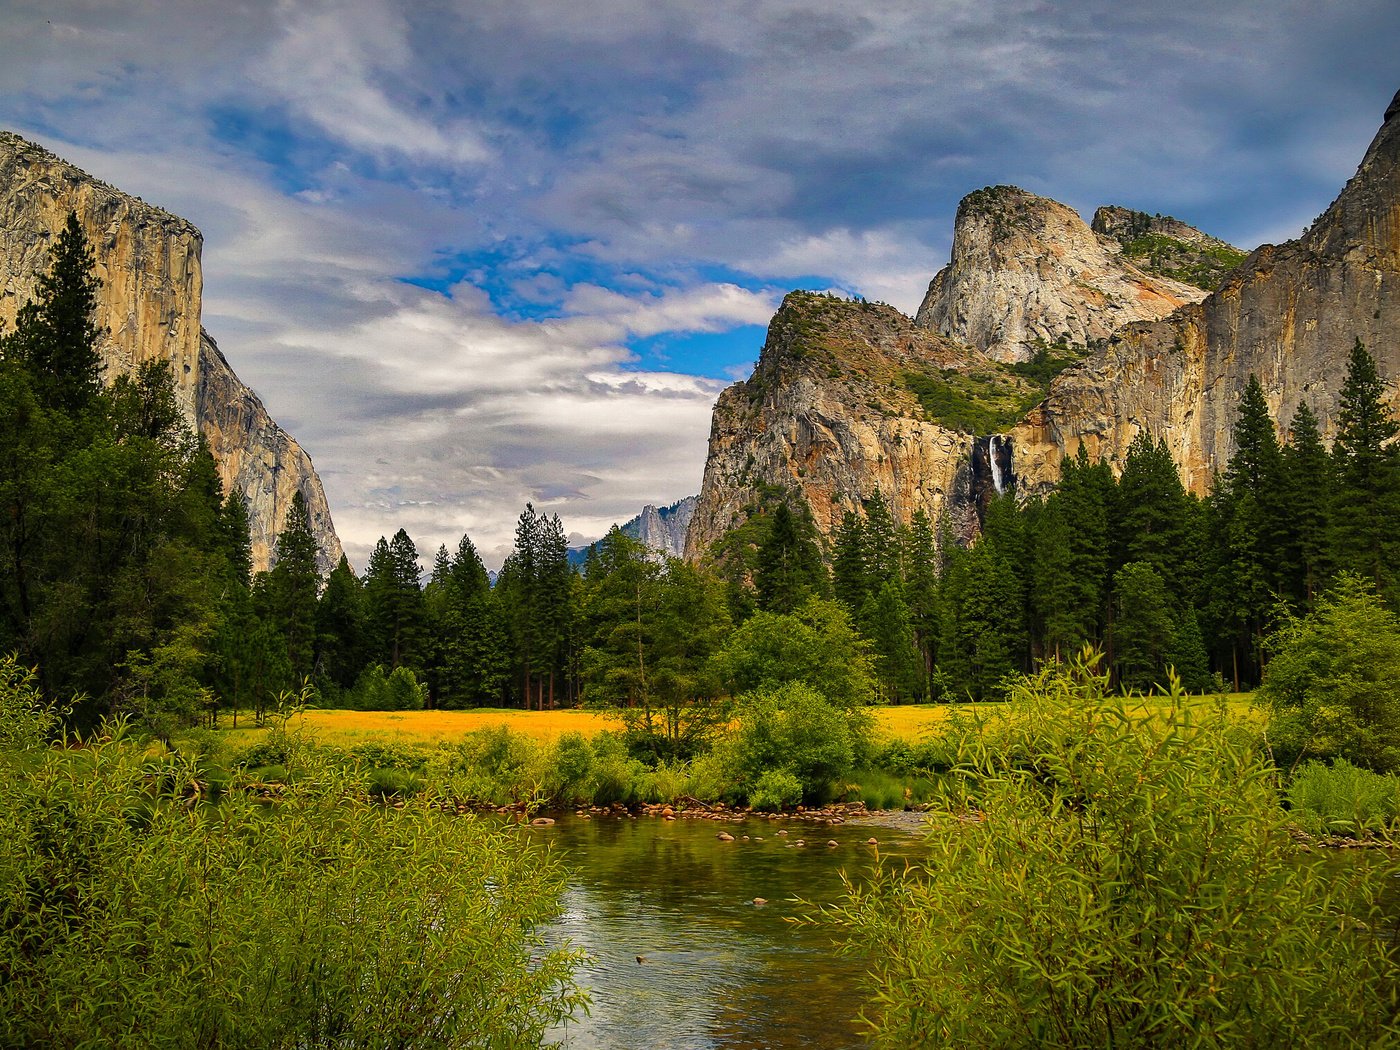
(616, 774)
(393, 783)
(879, 790)
(493, 766)
(1333, 685)
(795, 730)
(1122, 881)
(128, 921)
(776, 789)
(573, 764)
(1342, 799)
(398, 690)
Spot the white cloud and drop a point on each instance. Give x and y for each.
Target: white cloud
(330, 64)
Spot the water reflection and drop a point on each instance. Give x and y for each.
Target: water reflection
(680, 957)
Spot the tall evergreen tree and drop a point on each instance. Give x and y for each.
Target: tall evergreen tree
(292, 586)
(1144, 627)
(55, 334)
(1308, 489)
(921, 588)
(1248, 533)
(1367, 465)
(394, 611)
(789, 568)
(849, 570)
(340, 629)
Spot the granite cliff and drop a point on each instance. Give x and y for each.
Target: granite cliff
(663, 529)
(1027, 271)
(1288, 314)
(829, 414)
(149, 305)
(1043, 334)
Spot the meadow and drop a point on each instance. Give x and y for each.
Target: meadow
(344, 728)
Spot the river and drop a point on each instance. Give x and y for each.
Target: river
(679, 955)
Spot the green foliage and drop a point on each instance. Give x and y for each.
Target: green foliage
(1108, 879)
(134, 915)
(55, 337)
(816, 645)
(1202, 265)
(796, 731)
(1333, 685)
(1343, 799)
(992, 397)
(776, 789)
(788, 568)
(1366, 465)
(983, 401)
(378, 690)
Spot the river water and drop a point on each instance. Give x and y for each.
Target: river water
(679, 955)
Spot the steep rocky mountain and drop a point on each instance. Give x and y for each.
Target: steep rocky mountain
(1090, 348)
(150, 300)
(831, 412)
(1289, 314)
(663, 529)
(1027, 271)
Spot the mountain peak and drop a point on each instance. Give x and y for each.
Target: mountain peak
(1027, 272)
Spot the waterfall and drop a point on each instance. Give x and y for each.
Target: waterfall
(993, 447)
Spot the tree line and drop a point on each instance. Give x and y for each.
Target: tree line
(128, 579)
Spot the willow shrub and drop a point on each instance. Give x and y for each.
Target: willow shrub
(1109, 878)
(134, 914)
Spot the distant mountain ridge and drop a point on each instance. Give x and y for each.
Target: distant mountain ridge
(661, 529)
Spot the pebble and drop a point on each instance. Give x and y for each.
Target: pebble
(724, 836)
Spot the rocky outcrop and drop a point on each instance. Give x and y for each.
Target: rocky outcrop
(1289, 314)
(663, 529)
(1027, 272)
(259, 459)
(1168, 247)
(829, 416)
(149, 305)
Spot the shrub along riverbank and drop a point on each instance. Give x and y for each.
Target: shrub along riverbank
(133, 914)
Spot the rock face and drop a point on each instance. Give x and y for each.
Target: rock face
(1289, 314)
(1027, 271)
(149, 303)
(826, 415)
(663, 529)
(831, 410)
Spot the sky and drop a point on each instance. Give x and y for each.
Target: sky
(474, 253)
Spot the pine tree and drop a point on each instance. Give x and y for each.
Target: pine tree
(291, 588)
(1367, 465)
(394, 610)
(898, 664)
(850, 575)
(1248, 534)
(921, 587)
(55, 334)
(340, 643)
(789, 568)
(1143, 628)
(1308, 487)
(884, 560)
